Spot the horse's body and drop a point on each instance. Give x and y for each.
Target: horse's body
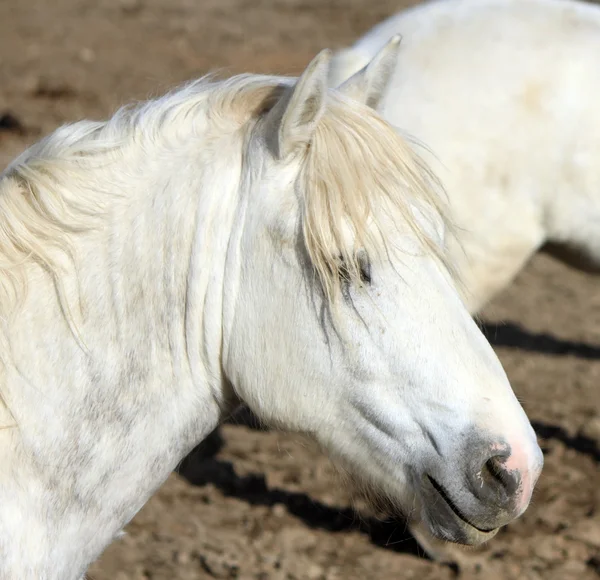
(505, 95)
(253, 240)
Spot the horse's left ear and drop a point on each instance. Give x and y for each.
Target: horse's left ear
(369, 84)
(295, 117)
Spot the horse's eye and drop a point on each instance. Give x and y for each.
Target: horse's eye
(365, 267)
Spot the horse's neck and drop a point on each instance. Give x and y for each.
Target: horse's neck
(141, 379)
(143, 279)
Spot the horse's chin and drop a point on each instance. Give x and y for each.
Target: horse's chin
(458, 531)
(444, 520)
(440, 518)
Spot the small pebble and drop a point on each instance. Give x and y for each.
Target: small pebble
(278, 510)
(87, 55)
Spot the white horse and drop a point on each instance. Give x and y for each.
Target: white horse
(504, 93)
(255, 240)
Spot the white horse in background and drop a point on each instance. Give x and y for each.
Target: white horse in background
(259, 240)
(504, 93)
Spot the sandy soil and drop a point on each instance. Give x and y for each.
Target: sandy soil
(262, 505)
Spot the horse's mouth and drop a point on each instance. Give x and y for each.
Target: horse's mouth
(468, 533)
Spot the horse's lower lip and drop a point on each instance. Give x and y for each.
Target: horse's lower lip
(475, 533)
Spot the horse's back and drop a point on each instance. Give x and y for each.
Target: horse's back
(453, 26)
(483, 67)
(503, 93)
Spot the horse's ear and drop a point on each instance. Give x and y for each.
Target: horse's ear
(295, 117)
(369, 84)
(344, 63)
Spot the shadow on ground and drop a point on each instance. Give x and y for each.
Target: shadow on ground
(200, 470)
(511, 335)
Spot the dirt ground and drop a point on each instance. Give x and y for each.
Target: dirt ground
(262, 505)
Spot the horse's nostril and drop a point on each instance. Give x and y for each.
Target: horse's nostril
(495, 475)
(499, 476)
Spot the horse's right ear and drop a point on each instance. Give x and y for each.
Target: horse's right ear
(369, 84)
(294, 118)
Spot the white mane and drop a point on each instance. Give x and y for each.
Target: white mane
(341, 193)
(55, 189)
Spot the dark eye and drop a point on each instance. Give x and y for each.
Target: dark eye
(365, 267)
